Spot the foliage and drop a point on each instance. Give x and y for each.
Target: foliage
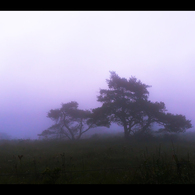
(121, 101)
(126, 103)
(107, 161)
(175, 123)
(51, 176)
(71, 122)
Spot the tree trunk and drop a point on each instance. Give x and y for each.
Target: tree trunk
(126, 133)
(145, 127)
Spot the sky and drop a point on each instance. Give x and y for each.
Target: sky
(53, 57)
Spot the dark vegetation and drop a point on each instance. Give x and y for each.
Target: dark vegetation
(138, 155)
(124, 103)
(109, 159)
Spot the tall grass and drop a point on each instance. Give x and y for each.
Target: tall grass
(106, 160)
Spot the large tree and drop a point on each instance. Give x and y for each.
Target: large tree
(122, 101)
(72, 123)
(126, 103)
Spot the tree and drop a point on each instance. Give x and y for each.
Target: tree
(126, 103)
(72, 123)
(123, 100)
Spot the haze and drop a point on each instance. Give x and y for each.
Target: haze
(50, 57)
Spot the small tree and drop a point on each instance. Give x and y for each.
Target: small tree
(71, 122)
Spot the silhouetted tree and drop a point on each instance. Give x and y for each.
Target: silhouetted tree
(121, 101)
(72, 122)
(126, 103)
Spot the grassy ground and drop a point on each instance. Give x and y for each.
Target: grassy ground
(109, 160)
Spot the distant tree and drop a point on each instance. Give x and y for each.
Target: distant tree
(126, 103)
(72, 123)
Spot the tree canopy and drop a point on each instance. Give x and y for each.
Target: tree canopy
(175, 123)
(126, 103)
(71, 122)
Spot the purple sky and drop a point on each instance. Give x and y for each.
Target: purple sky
(47, 58)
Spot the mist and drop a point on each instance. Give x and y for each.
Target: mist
(53, 57)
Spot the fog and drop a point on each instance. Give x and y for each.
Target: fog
(53, 57)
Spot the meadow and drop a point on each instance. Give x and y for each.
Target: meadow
(99, 160)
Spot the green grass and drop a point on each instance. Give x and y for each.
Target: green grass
(106, 160)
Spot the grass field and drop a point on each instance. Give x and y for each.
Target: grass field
(99, 160)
